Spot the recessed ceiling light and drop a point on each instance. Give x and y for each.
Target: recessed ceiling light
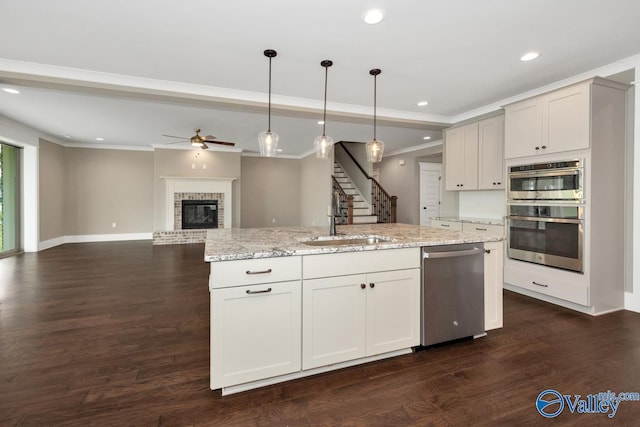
(279, 150)
(426, 137)
(99, 139)
(423, 103)
(11, 90)
(320, 122)
(373, 16)
(529, 56)
(68, 136)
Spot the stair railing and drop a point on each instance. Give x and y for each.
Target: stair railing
(346, 204)
(384, 206)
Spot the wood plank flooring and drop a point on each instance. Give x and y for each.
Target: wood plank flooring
(116, 334)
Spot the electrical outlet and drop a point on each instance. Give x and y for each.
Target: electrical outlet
(204, 166)
(273, 220)
(114, 225)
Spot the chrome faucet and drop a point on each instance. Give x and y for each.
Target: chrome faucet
(335, 211)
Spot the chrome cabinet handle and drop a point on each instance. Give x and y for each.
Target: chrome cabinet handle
(540, 284)
(258, 292)
(259, 272)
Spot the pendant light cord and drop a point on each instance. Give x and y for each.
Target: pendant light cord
(375, 97)
(269, 124)
(324, 115)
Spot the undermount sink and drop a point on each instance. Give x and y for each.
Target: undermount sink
(345, 240)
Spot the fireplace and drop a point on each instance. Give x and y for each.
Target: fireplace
(197, 214)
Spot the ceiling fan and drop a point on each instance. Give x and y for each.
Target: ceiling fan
(198, 140)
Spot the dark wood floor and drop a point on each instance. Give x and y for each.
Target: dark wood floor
(116, 334)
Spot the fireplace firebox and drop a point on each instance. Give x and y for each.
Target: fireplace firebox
(199, 214)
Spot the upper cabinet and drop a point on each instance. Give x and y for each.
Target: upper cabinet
(473, 156)
(551, 123)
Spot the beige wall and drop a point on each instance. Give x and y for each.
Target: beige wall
(107, 186)
(271, 192)
(190, 164)
(315, 190)
(404, 180)
(51, 160)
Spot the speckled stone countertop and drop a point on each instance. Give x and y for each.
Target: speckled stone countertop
(247, 243)
(485, 221)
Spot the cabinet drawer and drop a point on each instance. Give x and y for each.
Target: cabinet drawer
(226, 274)
(490, 229)
(448, 225)
(339, 264)
(557, 283)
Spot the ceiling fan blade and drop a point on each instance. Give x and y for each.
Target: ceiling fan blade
(174, 142)
(210, 137)
(174, 136)
(204, 146)
(230, 144)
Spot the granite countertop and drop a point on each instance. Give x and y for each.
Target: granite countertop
(246, 243)
(485, 221)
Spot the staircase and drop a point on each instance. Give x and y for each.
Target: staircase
(361, 209)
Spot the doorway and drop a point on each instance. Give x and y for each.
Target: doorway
(430, 192)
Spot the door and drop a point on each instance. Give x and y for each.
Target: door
(255, 332)
(333, 323)
(9, 200)
(393, 310)
(430, 191)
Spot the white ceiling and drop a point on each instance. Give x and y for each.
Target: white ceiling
(130, 71)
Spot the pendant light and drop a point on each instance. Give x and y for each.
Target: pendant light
(268, 141)
(324, 144)
(375, 148)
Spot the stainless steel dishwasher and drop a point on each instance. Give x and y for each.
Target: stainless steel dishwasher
(452, 292)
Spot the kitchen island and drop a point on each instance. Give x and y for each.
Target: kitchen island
(291, 302)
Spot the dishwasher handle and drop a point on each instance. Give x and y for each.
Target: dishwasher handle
(451, 254)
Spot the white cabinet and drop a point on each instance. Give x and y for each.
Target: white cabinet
(255, 332)
(493, 283)
(353, 316)
(555, 122)
(461, 158)
(490, 153)
(473, 156)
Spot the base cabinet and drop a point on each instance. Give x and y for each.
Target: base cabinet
(493, 283)
(348, 317)
(255, 332)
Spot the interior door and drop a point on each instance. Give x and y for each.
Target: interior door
(430, 191)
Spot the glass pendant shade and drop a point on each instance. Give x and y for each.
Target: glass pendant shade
(323, 146)
(375, 149)
(268, 142)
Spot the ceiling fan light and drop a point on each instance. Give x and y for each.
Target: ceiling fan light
(323, 146)
(375, 149)
(268, 142)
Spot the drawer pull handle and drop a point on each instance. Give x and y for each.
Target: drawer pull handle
(540, 284)
(363, 286)
(259, 272)
(445, 225)
(259, 292)
(481, 229)
(372, 285)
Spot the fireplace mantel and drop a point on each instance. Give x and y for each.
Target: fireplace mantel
(177, 184)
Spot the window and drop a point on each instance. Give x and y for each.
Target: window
(9, 200)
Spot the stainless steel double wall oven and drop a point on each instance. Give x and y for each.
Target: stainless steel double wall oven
(546, 214)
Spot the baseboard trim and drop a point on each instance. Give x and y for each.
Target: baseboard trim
(91, 238)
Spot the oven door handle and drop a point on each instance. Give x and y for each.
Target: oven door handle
(540, 219)
(538, 174)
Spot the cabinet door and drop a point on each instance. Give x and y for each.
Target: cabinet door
(523, 128)
(393, 310)
(461, 158)
(493, 283)
(255, 332)
(566, 119)
(490, 153)
(453, 159)
(333, 320)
